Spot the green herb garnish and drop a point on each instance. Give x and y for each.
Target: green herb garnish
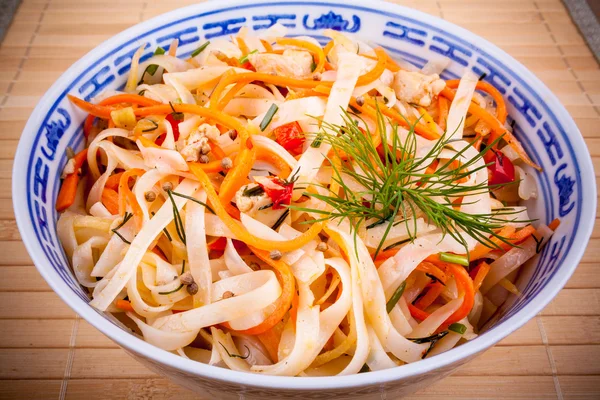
(280, 220)
(429, 339)
(458, 328)
(317, 142)
(150, 129)
(395, 297)
(244, 59)
(398, 186)
(253, 191)
(178, 116)
(177, 219)
(434, 279)
(200, 49)
(398, 243)
(268, 116)
(454, 259)
(236, 355)
(172, 291)
(126, 218)
(194, 200)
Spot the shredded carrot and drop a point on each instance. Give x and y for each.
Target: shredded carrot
(270, 339)
(443, 110)
(432, 269)
(267, 45)
(481, 250)
(432, 294)
(124, 305)
(113, 181)
(133, 99)
(216, 94)
(229, 96)
(68, 190)
(283, 303)
(315, 50)
(417, 312)
(554, 224)
(239, 231)
(482, 270)
(328, 47)
(243, 46)
(217, 151)
(127, 197)
(465, 288)
(497, 127)
(110, 199)
(275, 160)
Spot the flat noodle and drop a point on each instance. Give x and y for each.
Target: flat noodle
(314, 207)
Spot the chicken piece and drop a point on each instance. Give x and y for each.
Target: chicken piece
(190, 146)
(292, 63)
(415, 87)
(250, 204)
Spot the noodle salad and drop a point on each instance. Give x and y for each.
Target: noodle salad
(274, 206)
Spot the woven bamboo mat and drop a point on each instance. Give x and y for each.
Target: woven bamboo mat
(47, 352)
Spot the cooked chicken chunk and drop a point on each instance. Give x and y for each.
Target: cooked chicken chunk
(415, 87)
(292, 63)
(190, 146)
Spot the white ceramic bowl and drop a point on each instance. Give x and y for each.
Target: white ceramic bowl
(542, 124)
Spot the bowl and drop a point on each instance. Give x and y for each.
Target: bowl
(542, 124)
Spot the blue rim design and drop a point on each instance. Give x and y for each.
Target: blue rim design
(544, 181)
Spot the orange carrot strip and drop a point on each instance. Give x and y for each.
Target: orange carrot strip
(283, 303)
(127, 196)
(482, 272)
(328, 47)
(432, 269)
(113, 181)
(481, 250)
(465, 285)
(68, 190)
(496, 126)
(110, 199)
(124, 305)
(117, 99)
(554, 224)
(274, 159)
(242, 45)
(267, 45)
(229, 95)
(442, 112)
(432, 294)
(417, 312)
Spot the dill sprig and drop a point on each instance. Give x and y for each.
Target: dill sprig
(126, 218)
(398, 187)
(179, 228)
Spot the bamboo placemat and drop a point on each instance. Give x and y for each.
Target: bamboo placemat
(47, 352)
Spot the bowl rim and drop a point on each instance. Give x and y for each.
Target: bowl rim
(467, 350)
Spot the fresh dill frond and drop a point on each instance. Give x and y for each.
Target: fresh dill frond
(396, 184)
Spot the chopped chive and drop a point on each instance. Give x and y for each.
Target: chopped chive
(126, 218)
(150, 129)
(244, 59)
(177, 219)
(282, 218)
(254, 191)
(141, 92)
(455, 259)
(268, 116)
(398, 243)
(182, 267)
(152, 68)
(194, 200)
(236, 355)
(395, 297)
(317, 142)
(428, 339)
(458, 328)
(265, 206)
(313, 65)
(200, 49)
(172, 291)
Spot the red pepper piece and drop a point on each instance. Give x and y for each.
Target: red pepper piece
(502, 171)
(290, 137)
(280, 192)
